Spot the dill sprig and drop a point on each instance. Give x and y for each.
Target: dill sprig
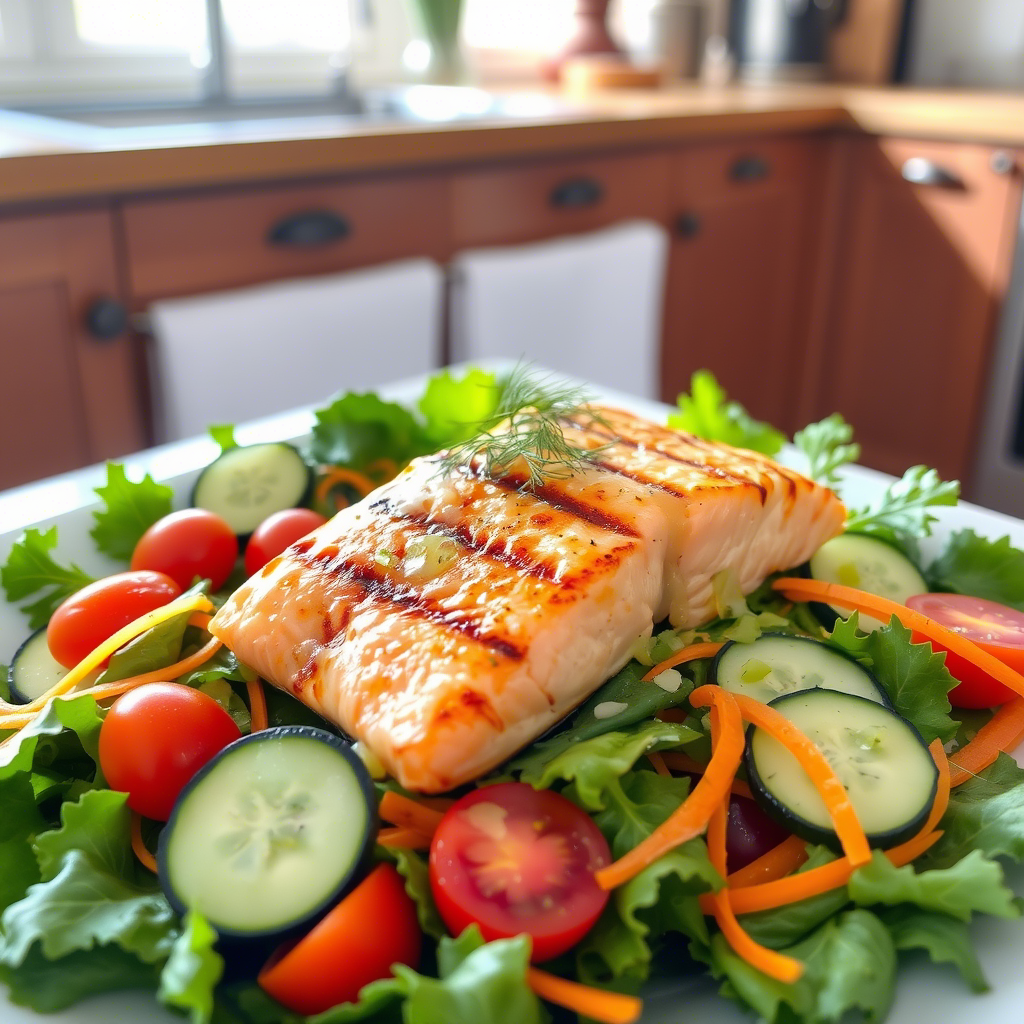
(533, 437)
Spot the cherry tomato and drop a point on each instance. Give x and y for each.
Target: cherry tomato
(277, 532)
(372, 928)
(993, 627)
(155, 738)
(187, 544)
(98, 611)
(515, 859)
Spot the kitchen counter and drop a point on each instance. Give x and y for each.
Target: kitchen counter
(38, 162)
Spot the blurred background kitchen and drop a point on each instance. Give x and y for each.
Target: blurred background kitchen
(213, 210)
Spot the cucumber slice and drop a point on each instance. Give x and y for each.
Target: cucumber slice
(867, 563)
(879, 757)
(245, 485)
(34, 670)
(270, 834)
(775, 664)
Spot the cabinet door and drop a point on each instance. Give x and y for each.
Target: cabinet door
(923, 256)
(70, 398)
(742, 269)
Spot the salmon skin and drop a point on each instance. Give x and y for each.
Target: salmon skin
(447, 620)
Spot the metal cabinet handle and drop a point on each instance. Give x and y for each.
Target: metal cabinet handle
(1002, 162)
(749, 168)
(106, 318)
(919, 170)
(309, 229)
(688, 225)
(576, 194)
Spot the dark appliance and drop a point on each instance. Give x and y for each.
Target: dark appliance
(782, 39)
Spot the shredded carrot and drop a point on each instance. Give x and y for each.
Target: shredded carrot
(767, 961)
(882, 608)
(406, 813)
(1002, 733)
(833, 793)
(340, 475)
(403, 839)
(658, 763)
(200, 620)
(692, 653)
(145, 858)
(257, 705)
(691, 818)
(778, 862)
(680, 762)
(593, 1003)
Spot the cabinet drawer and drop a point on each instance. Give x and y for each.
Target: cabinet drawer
(188, 244)
(507, 205)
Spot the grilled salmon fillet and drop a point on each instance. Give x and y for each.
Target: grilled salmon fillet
(447, 620)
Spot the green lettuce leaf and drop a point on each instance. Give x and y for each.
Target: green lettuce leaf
(78, 717)
(192, 970)
(224, 435)
(706, 412)
(974, 565)
(850, 965)
(986, 813)
(596, 764)
(31, 572)
(913, 675)
(902, 512)
(945, 940)
(20, 823)
(454, 408)
(358, 429)
(642, 701)
(974, 884)
(828, 445)
(129, 510)
(413, 868)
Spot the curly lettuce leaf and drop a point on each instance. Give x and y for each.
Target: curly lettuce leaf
(192, 970)
(453, 409)
(913, 675)
(128, 510)
(707, 412)
(78, 715)
(828, 445)
(357, 430)
(972, 885)
(992, 569)
(945, 940)
(224, 435)
(413, 869)
(20, 823)
(901, 513)
(31, 572)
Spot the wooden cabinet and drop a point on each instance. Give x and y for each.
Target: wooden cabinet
(742, 268)
(921, 258)
(69, 398)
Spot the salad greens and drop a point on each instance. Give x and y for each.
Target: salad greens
(79, 916)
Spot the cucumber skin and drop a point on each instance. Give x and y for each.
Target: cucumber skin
(303, 502)
(248, 950)
(17, 697)
(778, 811)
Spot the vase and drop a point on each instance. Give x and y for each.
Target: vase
(439, 20)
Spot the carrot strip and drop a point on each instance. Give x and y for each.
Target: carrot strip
(680, 762)
(406, 813)
(778, 862)
(882, 608)
(692, 653)
(658, 763)
(833, 793)
(200, 620)
(403, 839)
(341, 475)
(767, 961)
(145, 858)
(1002, 733)
(691, 818)
(594, 1003)
(257, 705)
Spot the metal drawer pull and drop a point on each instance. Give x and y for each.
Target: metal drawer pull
(750, 168)
(919, 170)
(687, 225)
(576, 194)
(309, 230)
(106, 318)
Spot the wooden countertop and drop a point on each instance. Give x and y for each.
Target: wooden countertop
(38, 162)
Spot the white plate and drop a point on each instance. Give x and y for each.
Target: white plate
(925, 992)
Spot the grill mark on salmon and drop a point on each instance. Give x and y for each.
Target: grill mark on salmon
(666, 486)
(331, 562)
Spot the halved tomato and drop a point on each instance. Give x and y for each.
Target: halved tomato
(993, 627)
(514, 859)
